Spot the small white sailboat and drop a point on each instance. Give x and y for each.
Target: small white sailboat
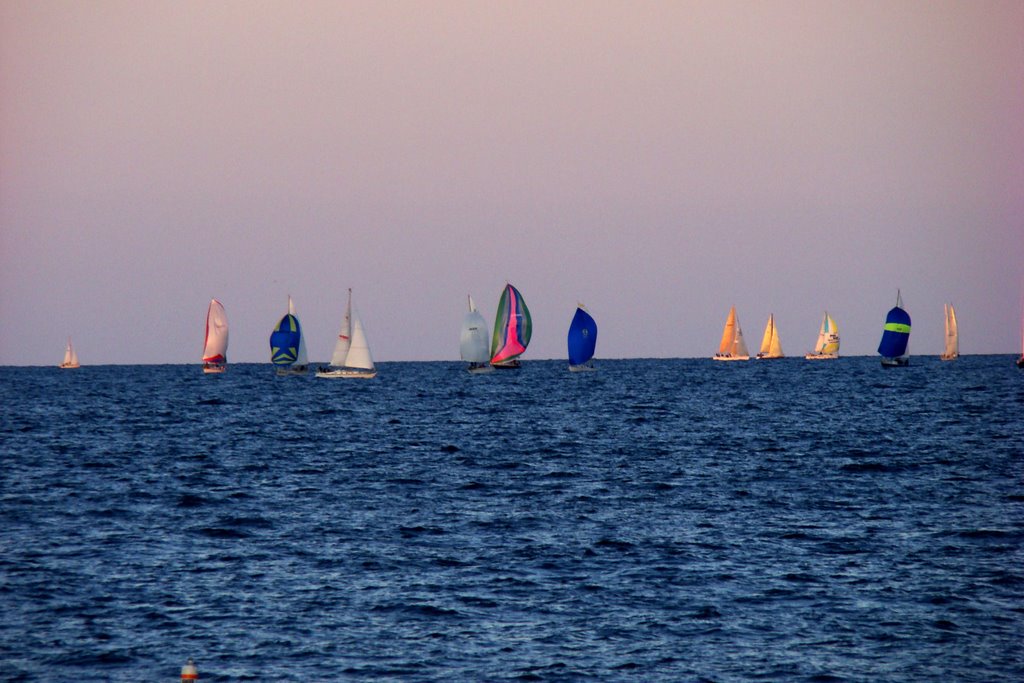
(771, 347)
(952, 349)
(732, 347)
(351, 358)
(827, 347)
(70, 357)
(475, 341)
(215, 346)
(288, 345)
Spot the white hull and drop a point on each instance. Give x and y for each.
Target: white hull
(292, 370)
(723, 357)
(950, 357)
(586, 367)
(822, 356)
(765, 356)
(347, 373)
(480, 368)
(214, 369)
(68, 366)
(900, 362)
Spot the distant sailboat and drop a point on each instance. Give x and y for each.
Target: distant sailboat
(512, 329)
(70, 357)
(732, 346)
(827, 347)
(215, 347)
(582, 341)
(287, 346)
(475, 341)
(351, 358)
(771, 347)
(895, 337)
(952, 349)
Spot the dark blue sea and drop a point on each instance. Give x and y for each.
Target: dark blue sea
(657, 520)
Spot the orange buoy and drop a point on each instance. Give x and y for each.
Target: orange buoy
(189, 671)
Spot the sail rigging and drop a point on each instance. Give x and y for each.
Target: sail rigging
(582, 338)
(475, 338)
(827, 346)
(351, 356)
(732, 346)
(513, 327)
(771, 346)
(70, 357)
(287, 347)
(952, 338)
(895, 335)
(215, 345)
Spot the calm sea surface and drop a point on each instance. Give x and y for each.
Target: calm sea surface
(658, 520)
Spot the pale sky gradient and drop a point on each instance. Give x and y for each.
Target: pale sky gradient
(658, 161)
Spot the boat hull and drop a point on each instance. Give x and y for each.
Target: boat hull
(479, 368)
(1020, 362)
(728, 358)
(585, 367)
(900, 362)
(293, 370)
(68, 366)
(953, 356)
(764, 356)
(507, 365)
(213, 369)
(821, 356)
(346, 373)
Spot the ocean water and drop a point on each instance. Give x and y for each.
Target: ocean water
(658, 520)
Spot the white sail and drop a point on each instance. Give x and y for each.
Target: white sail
(341, 347)
(952, 349)
(351, 357)
(70, 356)
(827, 345)
(301, 359)
(475, 340)
(732, 346)
(215, 350)
(771, 346)
(359, 351)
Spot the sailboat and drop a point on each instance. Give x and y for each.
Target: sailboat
(895, 336)
(475, 341)
(70, 357)
(827, 347)
(771, 347)
(215, 347)
(351, 358)
(952, 349)
(1020, 361)
(287, 346)
(512, 329)
(582, 341)
(732, 346)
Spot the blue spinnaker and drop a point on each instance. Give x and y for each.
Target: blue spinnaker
(896, 334)
(284, 341)
(582, 338)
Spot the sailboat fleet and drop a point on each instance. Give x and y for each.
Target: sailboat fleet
(513, 326)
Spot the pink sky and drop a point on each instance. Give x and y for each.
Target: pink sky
(659, 162)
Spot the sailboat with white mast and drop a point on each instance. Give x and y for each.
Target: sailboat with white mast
(215, 346)
(351, 358)
(475, 341)
(732, 347)
(827, 347)
(70, 361)
(952, 349)
(771, 347)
